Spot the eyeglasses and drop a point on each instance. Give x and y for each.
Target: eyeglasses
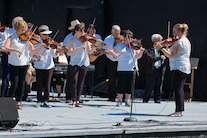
(44, 34)
(81, 30)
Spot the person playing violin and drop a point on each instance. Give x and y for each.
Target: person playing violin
(18, 60)
(44, 67)
(155, 71)
(100, 62)
(65, 47)
(4, 57)
(125, 66)
(79, 62)
(111, 63)
(178, 55)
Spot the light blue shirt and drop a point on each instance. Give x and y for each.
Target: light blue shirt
(125, 60)
(6, 35)
(109, 40)
(182, 62)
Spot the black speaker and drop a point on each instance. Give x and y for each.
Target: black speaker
(9, 116)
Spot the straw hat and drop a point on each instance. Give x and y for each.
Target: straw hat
(44, 29)
(74, 23)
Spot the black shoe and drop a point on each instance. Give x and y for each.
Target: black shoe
(145, 101)
(112, 100)
(157, 101)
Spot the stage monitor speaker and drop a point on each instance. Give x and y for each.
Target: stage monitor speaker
(9, 116)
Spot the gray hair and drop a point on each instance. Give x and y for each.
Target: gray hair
(115, 27)
(16, 19)
(156, 37)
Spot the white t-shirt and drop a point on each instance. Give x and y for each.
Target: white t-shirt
(46, 61)
(14, 58)
(125, 60)
(62, 59)
(109, 40)
(182, 61)
(81, 57)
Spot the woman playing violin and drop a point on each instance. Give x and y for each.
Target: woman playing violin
(44, 67)
(125, 66)
(179, 64)
(18, 64)
(79, 62)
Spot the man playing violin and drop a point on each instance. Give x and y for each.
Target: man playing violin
(44, 67)
(155, 71)
(123, 53)
(111, 62)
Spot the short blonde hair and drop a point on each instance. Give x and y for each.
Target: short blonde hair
(183, 28)
(19, 23)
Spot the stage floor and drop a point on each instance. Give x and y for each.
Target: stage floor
(100, 117)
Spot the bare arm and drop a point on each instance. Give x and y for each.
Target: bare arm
(114, 52)
(175, 51)
(139, 53)
(33, 50)
(72, 50)
(8, 44)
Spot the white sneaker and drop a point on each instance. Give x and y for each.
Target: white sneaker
(38, 105)
(45, 104)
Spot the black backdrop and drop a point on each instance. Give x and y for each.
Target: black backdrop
(143, 17)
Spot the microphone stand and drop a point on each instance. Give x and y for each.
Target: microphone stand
(130, 118)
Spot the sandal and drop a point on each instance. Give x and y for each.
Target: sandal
(72, 106)
(19, 107)
(78, 105)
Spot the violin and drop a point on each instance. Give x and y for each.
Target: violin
(29, 36)
(89, 38)
(169, 41)
(136, 45)
(51, 43)
(120, 39)
(3, 28)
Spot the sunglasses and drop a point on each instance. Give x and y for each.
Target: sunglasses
(44, 34)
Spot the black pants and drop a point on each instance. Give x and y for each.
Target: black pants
(77, 78)
(112, 75)
(17, 77)
(68, 96)
(155, 81)
(179, 79)
(125, 82)
(5, 74)
(43, 81)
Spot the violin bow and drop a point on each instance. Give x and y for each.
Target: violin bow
(29, 38)
(50, 43)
